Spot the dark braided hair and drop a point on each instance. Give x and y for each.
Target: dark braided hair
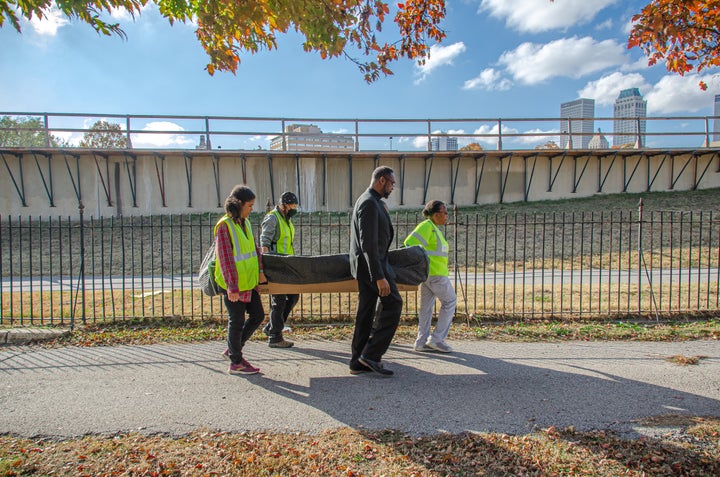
(234, 202)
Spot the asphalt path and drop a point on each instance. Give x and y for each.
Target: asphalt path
(155, 284)
(483, 386)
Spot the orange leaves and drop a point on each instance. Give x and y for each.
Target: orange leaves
(683, 33)
(337, 27)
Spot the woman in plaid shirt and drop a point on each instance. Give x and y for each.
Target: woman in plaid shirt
(239, 273)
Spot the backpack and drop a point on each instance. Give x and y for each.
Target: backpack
(206, 274)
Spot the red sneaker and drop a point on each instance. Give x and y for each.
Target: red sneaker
(243, 367)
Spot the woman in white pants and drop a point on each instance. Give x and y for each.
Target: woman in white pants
(428, 235)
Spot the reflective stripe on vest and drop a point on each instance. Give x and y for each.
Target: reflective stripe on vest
(244, 254)
(437, 252)
(284, 244)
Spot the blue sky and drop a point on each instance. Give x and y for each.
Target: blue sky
(501, 59)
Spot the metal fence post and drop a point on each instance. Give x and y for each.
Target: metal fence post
(640, 254)
(81, 277)
(47, 131)
(128, 142)
(499, 141)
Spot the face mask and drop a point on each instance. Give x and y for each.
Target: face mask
(291, 213)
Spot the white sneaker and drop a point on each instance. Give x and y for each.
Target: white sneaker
(422, 348)
(442, 347)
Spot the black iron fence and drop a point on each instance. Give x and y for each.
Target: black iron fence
(72, 270)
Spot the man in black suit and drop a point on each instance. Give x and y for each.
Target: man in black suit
(370, 237)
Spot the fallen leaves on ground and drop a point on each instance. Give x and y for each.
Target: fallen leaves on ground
(348, 452)
(681, 360)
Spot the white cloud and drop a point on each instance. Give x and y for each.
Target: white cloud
(490, 80)
(671, 95)
(606, 25)
(492, 133)
(54, 19)
(628, 26)
(535, 16)
(532, 63)
(606, 89)
(640, 64)
(256, 138)
(677, 94)
(121, 14)
(439, 56)
(49, 25)
(538, 136)
(421, 142)
(72, 139)
(161, 139)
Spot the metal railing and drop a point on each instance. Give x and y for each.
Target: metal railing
(64, 271)
(251, 133)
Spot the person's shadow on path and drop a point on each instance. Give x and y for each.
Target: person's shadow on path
(456, 393)
(434, 392)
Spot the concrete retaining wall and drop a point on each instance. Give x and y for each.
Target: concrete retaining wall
(53, 182)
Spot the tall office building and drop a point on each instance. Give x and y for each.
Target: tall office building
(576, 134)
(308, 137)
(443, 143)
(631, 105)
(716, 121)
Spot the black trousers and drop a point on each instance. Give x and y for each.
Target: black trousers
(373, 335)
(280, 308)
(240, 329)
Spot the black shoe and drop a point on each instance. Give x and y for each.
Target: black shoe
(376, 366)
(359, 368)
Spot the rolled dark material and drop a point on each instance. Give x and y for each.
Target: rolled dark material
(411, 266)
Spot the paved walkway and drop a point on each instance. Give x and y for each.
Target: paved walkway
(483, 386)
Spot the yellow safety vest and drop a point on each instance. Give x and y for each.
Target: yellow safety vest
(284, 244)
(431, 238)
(244, 253)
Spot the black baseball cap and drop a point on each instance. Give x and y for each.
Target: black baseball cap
(288, 198)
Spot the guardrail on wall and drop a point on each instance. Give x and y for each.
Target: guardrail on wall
(252, 133)
(504, 266)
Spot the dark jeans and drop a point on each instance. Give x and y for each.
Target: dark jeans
(280, 308)
(239, 329)
(372, 335)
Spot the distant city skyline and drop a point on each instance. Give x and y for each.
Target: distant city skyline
(630, 104)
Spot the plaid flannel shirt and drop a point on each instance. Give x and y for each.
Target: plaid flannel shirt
(227, 262)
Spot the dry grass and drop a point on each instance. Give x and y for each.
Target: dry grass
(145, 331)
(693, 450)
(512, 300)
